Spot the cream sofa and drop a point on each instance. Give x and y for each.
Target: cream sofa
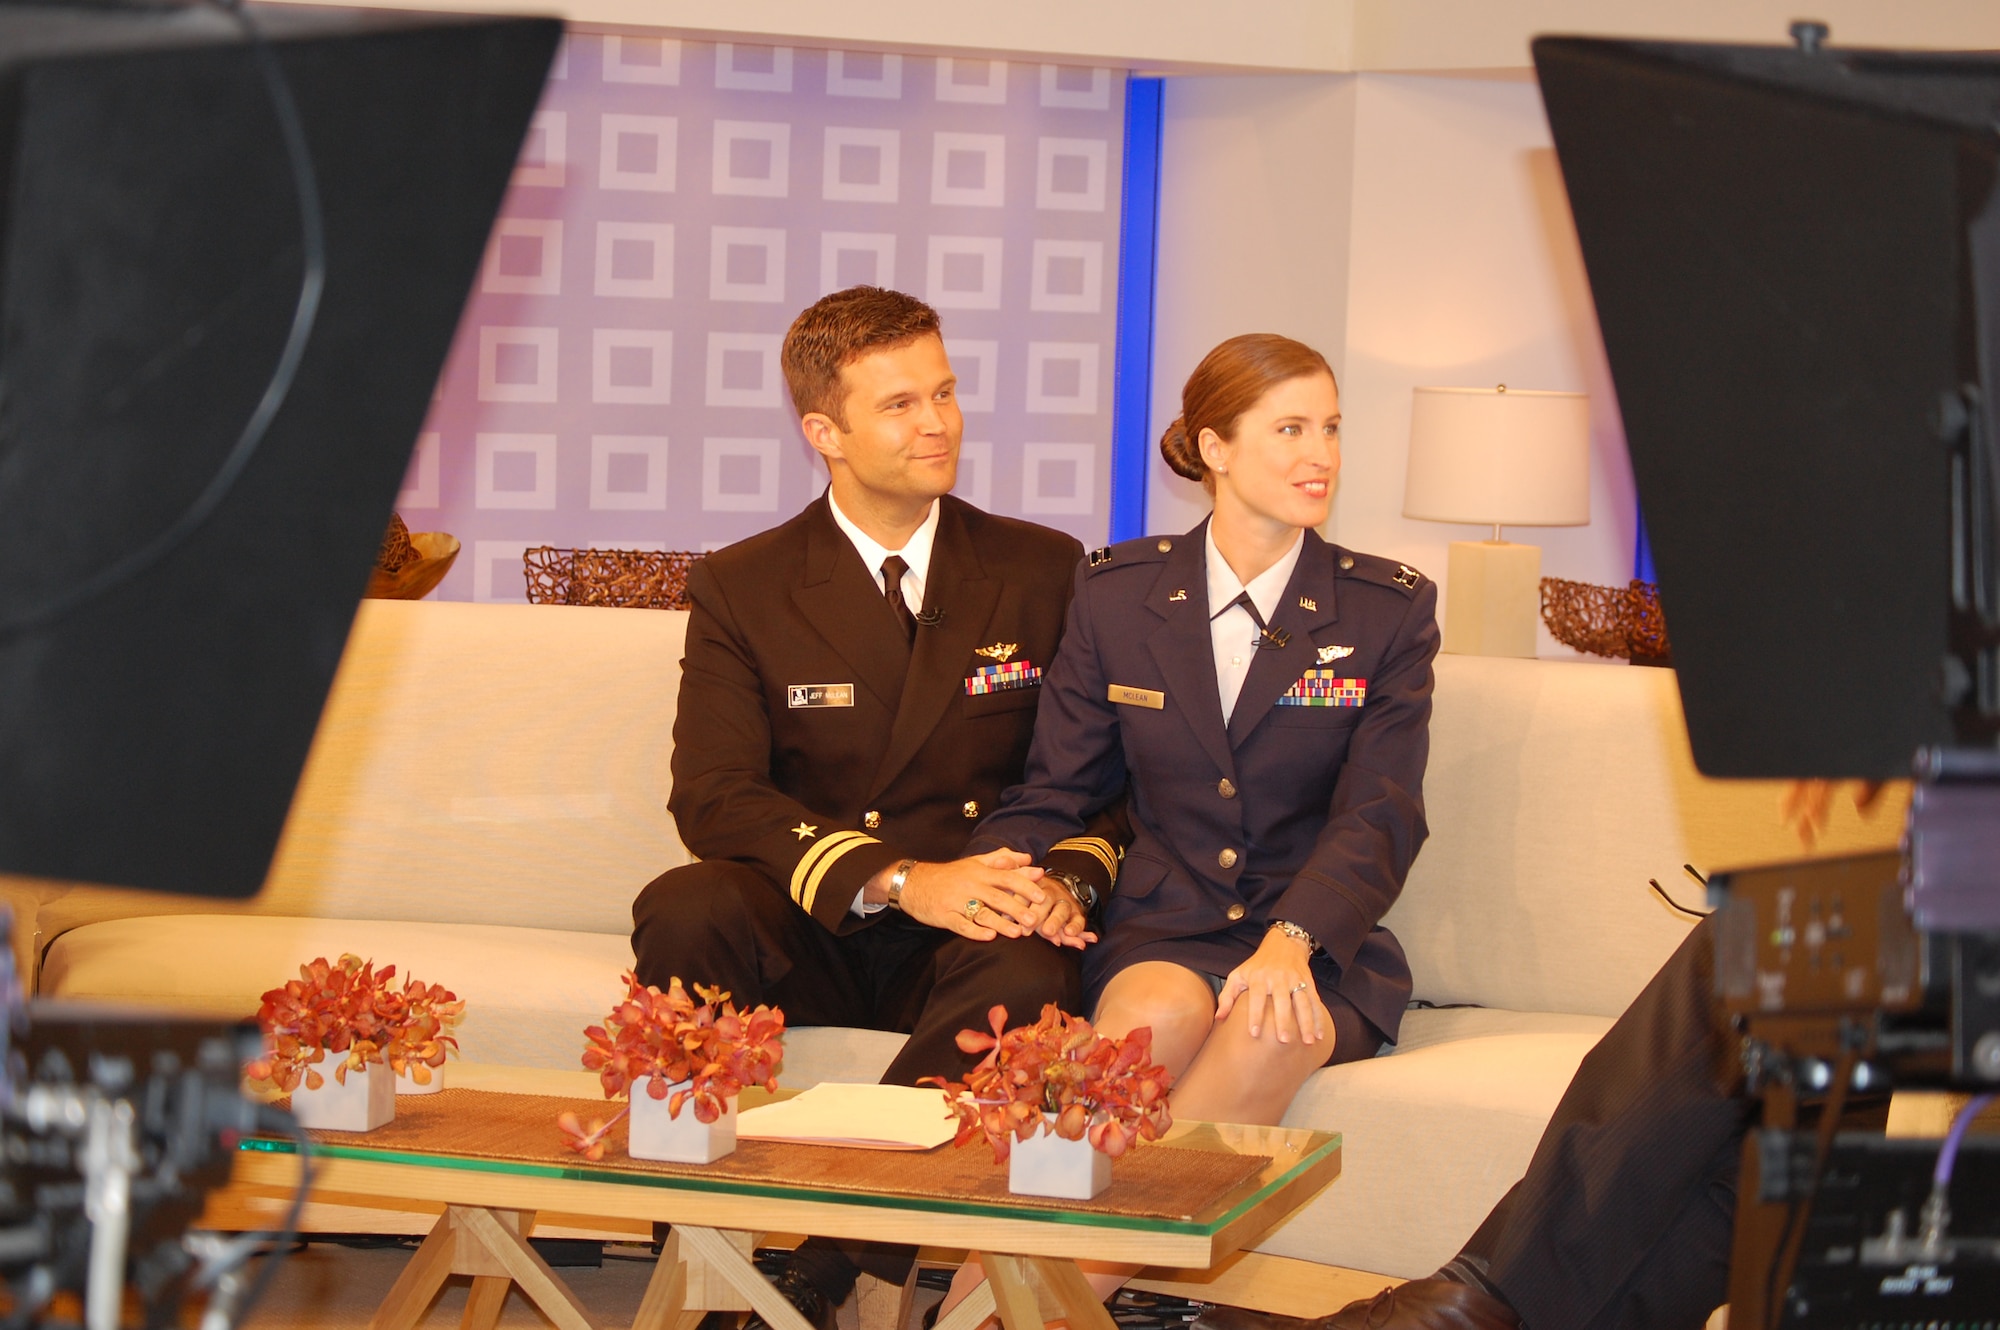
(488, 791)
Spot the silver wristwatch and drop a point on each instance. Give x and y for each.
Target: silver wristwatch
(897, 881)
(1084, 894)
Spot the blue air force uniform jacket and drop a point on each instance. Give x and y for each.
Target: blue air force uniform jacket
(1307, 805)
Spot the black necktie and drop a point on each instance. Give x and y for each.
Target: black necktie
(893, 569)
(1265, 637)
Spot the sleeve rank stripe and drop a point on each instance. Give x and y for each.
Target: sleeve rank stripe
(1095, 846)
(813, 868)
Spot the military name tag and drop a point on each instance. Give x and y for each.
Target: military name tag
(819, 695)
(1137, 697)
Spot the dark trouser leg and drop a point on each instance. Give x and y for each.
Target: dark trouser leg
(957, 983)
(934, 990)
(1624, 1216)
(725, 924)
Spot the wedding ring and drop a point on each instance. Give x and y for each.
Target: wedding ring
(973, 906)
(1299, 987)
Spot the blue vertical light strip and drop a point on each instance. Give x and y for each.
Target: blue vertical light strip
(1132, 376)
(1642, 555)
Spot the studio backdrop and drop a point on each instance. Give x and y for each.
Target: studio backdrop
(615, 379)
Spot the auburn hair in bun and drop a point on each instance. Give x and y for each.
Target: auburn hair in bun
(1229, 381)
(1181, 452)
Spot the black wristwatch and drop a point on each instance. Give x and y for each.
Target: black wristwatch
(1084, 894)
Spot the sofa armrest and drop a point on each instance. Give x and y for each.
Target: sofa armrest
(25, 897)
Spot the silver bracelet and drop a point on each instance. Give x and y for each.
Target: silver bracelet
(897, 881)
(1297, 934)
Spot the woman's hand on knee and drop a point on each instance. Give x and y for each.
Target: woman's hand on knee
(1277, 985)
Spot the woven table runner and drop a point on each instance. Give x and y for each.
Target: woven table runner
(1150, 1182)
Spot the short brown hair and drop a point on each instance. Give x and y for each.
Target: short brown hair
(1229, 381)
(839, 329)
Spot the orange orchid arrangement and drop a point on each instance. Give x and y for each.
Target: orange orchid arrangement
(359, 1013)
(704, 1055)
(1062, 1072)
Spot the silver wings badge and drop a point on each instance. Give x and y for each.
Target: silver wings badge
(1328, 655)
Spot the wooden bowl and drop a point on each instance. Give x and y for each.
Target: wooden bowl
(435, 553)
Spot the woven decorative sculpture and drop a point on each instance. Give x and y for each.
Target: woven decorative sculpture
(397, 552)
(633, 579)
(410, 564)
(1624, 622)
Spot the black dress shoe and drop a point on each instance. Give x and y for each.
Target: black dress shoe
(1424, 1304)
(796, 1289)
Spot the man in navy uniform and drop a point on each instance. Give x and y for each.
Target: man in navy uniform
(859, 684)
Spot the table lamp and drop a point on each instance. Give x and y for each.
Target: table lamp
(1497, 457)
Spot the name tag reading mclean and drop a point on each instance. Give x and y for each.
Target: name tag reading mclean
(1137, 697)
(819, 695)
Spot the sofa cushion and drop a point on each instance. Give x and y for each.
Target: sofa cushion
(1554, 791)
(529, 991)
(477, 764)
(1434, 1134)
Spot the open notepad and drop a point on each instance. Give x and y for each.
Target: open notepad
(870, 1117)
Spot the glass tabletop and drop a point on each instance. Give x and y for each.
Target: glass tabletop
(1292, 1153)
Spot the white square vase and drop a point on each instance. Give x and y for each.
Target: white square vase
(405, 1084)
(1047, 1165)
(365, 1102)
(652, 1134)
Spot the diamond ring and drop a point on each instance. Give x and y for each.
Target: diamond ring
(973, 906)
(1299, 987)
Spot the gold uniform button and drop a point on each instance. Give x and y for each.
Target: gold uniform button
(1165, 546)
(971, 808)
(1227, 789)
(871, 819)
(1236, 912)
(1346, 562)
(1227, 858)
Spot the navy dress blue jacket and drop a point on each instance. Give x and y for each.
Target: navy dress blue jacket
(1306, 806)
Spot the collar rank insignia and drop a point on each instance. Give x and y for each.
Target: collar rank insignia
(1328, 655)
(999, 651)
(1407, 576)
(1308, 603)
(1100, 556)
(1179, 595)
(805, 831)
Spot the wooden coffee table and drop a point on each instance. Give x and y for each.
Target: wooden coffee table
(1030, 1253)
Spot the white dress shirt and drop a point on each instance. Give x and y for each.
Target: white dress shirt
(1231, 629)
(916, 552)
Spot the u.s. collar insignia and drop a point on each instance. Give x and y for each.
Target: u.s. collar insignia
(1328, 655)
(805, 831)
(999, 651)
(1308, 603)
(1179, 595)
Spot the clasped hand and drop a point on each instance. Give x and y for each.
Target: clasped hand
(1013, 900)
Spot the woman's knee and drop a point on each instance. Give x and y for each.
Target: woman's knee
(1174, 1002)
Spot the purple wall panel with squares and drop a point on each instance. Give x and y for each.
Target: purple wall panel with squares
(615, 382)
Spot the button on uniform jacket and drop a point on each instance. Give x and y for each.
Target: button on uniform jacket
(811, 744)
(1307, 805)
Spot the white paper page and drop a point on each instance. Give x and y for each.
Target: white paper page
(879, 1117)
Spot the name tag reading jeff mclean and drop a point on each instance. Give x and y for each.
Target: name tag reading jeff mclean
(1137, 697)
(819, 695)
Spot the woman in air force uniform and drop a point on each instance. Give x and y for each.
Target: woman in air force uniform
(1266, 697)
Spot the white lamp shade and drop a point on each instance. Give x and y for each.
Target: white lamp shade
(1499, 457)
